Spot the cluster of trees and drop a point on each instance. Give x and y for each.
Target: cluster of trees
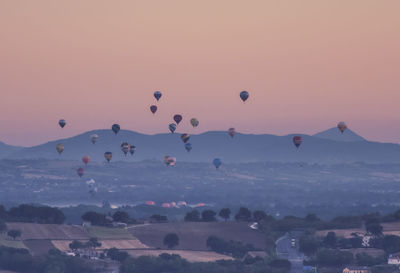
(92, 243)
(101, 219)
(244, 214)
(32, 214)
(234, 248)
(174, 263)
(20, 260)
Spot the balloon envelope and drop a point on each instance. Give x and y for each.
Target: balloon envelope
(297, 140)
(86, 159)
(194, 122)
(172, 127)
(60, 148)
(232, 132)
(157, 95)
(80, 172)
(132, 149)
(244, 95)
(342, 126)
(125, 147)
(115, 128)
(62, 123)
(217, 163)
(188, 146)
(185, 137)
(177, 118)
(94, 138)
(108, 156)
(153, 109)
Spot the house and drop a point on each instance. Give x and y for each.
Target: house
(394, 258)
(356, 269)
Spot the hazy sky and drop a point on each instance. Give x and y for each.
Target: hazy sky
(307, 65)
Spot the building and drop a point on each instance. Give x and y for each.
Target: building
(356, 269)
(394, 259)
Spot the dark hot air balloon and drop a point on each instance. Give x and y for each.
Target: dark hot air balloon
(177, 118)
(132, 149)
(153, 109)
(60, 148)
(185, 137)
(115, 128)
(157, 95)
(342, 126)
(80, 172)
(188, 146)
(232, 132)
(194, 122)
(108, 156)
(125, 147)
(297, 140)
(62, 123)
(244, 95)
(172, 127)
(217, 162)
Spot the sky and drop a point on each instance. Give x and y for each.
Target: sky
(306, 64)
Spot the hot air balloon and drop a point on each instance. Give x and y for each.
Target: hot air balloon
(132, 149)
(166, 205)
(244, 95)
(182, 204)
(217, 163)
(297, 140)
(342, 126)
(153, 109)
(232, 132)
(60, 148)
(194, 122)
(80, 172)
(116, 128)
(178, 118)
(91, 186)
(185, 137)
(150, 203)
(125, 147)
(86, 159)
(172, 127)
(108, 156)
(169, 160)
(157, 95)
(62, 123)
(188, 146)
(94, 138)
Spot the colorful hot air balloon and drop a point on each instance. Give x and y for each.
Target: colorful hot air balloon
(169, 160)
(185, 137)
(172, 127)
(217, 163)
(60, 148)
(94, 138)
(86, 159)
(157, 95)
(150, 203)
(108, 156)
(132, 149)
(244, 95)
(342, 126)
(116, 128)
(153, 109)
(232, 132)
(177, 118)
(62, 123)
(125, 147)
(194, 122)
(80, 172)
(188, 146)
(297, 140)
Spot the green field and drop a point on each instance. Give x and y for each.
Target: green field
(12, 243)
(109, 233)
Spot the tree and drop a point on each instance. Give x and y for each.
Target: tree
(308, 245)
(374, 228)
(244, 214)
(156, 218)
(193, 216)
(97, 219)
(281, 264)
(121, 216)
(93, 243)
(3, 226)
(171, 240)
(76, 245)
(208, 216)
(117, 255)
(330, 240)
(225, 213)
(259, 215)
(14, 233)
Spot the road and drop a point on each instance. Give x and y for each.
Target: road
(286, 251)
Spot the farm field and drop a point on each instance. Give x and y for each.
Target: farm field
(374, 252)
(49, 231)
(63, 245)
(191, 256)
(193, 235)
(388, 229)
(109, 233)
(39, 247)
(12, 243)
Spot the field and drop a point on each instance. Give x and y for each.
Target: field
(193, 235)
(39, 247)
(12, 243)
(49, 232)
(191, 256)
(374, 252)
(63, 245)
(109, 233)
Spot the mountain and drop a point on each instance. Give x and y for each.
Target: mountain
(335, 134)
(6, 150)
(209, 145)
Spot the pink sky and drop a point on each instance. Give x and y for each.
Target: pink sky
(307, 65)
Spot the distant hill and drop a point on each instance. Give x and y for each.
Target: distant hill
(335, 134)
(6, 150)
(207, 146)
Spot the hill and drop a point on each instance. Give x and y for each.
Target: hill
(6, 150)
(335, 134)
(207, 146)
